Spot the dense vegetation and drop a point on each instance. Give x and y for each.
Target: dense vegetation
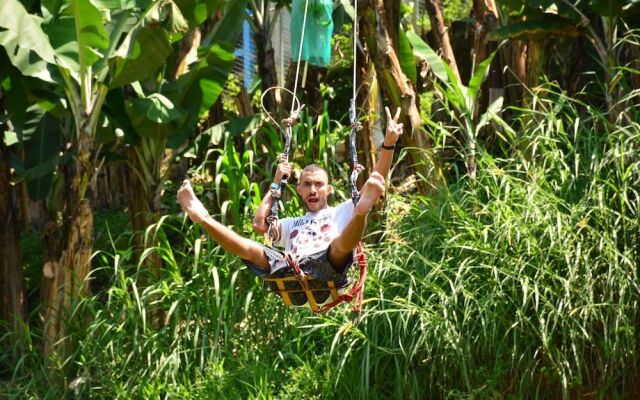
(504, 262)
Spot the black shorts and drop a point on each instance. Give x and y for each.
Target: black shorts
(316, 266)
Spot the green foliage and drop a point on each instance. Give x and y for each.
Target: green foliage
(460, 101)
(19, 25)
(512, 286)
(236, 175)
(406, 58)
(215, 320)
(522, 285)
(149, 49)
(456, 10)
(44, 140)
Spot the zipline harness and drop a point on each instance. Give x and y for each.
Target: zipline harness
(299, 281)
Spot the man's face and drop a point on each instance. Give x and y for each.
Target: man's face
(314, 189)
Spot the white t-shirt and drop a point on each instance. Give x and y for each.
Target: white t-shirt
(313, 232)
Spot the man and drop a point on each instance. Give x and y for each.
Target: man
(325, 236)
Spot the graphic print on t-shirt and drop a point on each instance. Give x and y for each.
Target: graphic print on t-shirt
(313, 232)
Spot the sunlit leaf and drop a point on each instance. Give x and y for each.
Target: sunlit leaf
(480, 75)
(424, 52)
(26, 44)
(91, 35)
(148, 53)
(151, 115)
(406, 58)
(551, 25)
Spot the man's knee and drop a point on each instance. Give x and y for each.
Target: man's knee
(255, 254)
(339, 260)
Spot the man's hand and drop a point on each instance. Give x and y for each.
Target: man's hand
(283, 169)
(394, 129)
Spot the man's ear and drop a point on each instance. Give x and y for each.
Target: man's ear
(298, 189)
(330, 189)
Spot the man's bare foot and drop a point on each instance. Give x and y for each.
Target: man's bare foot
(190, 203)
(371, 191)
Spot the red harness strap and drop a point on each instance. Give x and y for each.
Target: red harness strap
(355, 292)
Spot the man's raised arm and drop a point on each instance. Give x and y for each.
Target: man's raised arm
(260, 224)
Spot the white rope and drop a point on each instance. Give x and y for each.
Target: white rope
(304, 25)
(272, 234)
(296, 107)
(355, 46)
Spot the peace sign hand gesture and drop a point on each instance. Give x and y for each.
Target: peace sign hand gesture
(394, 129)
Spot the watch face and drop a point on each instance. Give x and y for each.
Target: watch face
(275, 186)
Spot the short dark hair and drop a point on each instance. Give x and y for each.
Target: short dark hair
(314, 168)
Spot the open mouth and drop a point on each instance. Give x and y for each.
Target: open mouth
(313, 200)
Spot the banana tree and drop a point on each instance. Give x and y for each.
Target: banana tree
(599, 21)
(462, 100)
(381, 33)
(160, 118)
(84, 49)
(12, 295)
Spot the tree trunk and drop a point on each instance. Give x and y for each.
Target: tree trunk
(369, 138)
(518, 51)
(486, 15)
(441, 34)
(216, 113)
(376, 18)
(368, 100)
(187, 52)
(71, 271)
(243, 103)
(308, 90)
(267, 71)
(11, 279)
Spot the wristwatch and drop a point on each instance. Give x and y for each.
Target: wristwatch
(275, 186)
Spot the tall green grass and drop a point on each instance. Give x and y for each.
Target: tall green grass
(217, 335)
(523, 285)
(220, 335)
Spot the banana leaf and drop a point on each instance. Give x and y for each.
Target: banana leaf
(196, 91)
(152, 115)
(551, 25)
(42, 139)
(148, 53)
(407, 60)
(23, 38)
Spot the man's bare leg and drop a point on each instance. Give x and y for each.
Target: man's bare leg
(342, 246)
(225, 237)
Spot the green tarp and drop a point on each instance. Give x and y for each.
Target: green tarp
(316, 48)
